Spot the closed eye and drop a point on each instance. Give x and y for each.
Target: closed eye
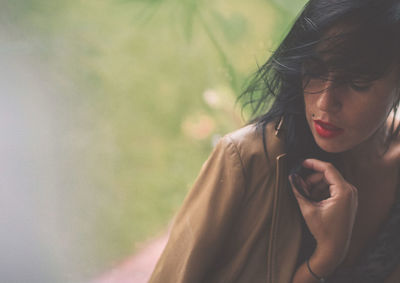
(361, 87)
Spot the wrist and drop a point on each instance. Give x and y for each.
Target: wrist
(329, 254)
(323, 264)
(320, 279)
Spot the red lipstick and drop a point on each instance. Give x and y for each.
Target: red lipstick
(327, 130)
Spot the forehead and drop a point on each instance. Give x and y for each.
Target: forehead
(348, 50)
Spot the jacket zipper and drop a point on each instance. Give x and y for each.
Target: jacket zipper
(271, 246)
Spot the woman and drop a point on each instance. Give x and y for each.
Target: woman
(334, 87)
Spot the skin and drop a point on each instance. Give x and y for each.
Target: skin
(341, 201)
(362, 114)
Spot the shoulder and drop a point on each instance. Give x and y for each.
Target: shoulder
(249, 140)
(249, 146)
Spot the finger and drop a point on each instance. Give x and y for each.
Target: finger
(295, 191)
(300, 185)
(331, 174)
(321, 187)
(304, 204)
(314, 179)
(318, 188)
(320, 191)
(304, 185)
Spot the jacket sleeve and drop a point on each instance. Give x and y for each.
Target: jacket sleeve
(205, 219)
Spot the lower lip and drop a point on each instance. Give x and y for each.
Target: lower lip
(327, 133)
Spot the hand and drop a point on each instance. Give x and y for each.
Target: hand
(331, 218)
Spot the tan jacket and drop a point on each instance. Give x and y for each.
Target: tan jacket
(240, 222)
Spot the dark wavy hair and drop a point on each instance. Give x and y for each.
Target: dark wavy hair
(364, 47)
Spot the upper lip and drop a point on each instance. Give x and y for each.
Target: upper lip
(327, 124)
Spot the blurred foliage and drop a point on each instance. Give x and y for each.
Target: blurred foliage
(155, 83)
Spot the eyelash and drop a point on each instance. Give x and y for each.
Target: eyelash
(360, 88)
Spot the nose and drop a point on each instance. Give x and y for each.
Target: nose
(329, 99)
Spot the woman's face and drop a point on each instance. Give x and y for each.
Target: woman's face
(342, 117)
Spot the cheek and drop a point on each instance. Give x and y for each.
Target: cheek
(309, 101)
(310, 105)
(369, 118)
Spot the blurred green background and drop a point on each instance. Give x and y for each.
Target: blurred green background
(150, 86)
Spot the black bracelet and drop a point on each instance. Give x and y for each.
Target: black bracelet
(320, 279)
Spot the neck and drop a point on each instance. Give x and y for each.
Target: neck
(365, 156)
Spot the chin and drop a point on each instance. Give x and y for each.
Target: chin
(332, 146)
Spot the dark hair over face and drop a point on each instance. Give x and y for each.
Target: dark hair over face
(357, 40)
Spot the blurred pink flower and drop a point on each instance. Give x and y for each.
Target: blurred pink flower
(199, 126)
